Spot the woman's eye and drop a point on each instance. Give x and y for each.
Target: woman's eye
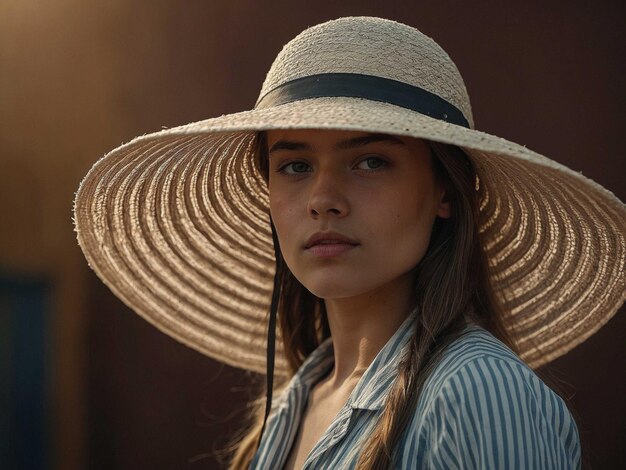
(294, 168)
(371, 163)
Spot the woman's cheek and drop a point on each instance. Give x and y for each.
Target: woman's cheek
(282, 210)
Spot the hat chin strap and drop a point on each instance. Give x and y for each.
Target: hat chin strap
(271, 337)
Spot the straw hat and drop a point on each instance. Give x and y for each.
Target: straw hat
(176, 222)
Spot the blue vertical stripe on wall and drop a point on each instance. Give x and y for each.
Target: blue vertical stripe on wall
(24, 397)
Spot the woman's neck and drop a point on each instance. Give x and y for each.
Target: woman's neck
(360, 326)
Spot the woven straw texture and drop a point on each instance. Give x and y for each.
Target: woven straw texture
(176, 223)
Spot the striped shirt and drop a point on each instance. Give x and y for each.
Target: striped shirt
(481, 408)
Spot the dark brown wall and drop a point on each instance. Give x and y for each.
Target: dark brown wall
(79, 78)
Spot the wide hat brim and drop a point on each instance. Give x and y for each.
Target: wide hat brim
(176, 223)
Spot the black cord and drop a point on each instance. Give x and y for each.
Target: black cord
(271, 335)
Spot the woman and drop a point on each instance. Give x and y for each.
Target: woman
(413, 259)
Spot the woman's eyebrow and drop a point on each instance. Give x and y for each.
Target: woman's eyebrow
(368, 139)
(289, 145)
(341, 145)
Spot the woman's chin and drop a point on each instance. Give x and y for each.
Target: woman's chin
(329, 288)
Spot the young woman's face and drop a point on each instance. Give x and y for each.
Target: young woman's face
(377, 191)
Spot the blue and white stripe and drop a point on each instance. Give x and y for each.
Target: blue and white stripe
(482, 408)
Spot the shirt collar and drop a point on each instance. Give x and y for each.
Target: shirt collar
(315, 366)
(372, 389)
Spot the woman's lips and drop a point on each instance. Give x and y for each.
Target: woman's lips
(328, 244)
(327, 250)
(327, 237)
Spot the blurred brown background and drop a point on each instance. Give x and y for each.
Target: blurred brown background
(84, 382)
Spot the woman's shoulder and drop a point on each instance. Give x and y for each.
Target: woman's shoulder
(480, 367)
(476, 356)
(482, 404)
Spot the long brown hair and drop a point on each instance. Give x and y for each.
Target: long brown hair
(451, 288)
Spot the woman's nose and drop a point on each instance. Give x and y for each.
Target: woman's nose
(328, 196)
